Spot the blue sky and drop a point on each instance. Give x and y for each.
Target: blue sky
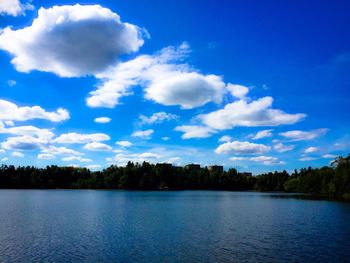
(255, 85)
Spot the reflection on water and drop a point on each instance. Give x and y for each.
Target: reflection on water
(184, 226)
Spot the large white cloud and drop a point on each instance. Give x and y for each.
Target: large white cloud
(253, 114)
(102, 120)
(97, 146)
(144, 134)
(298, 135)
(194, 131)
(165, 79)
(280, 147)
(242, 113)
(71, 40)
(225, 138)
(329, 156)
(74, 137)
(124, 143)
(10, 111)
(23, 143)
(262, 134)
(311, 149)
(54, 150)
(237, 147)
(27, 130)
(14, 7)
(27, 137)
(188, 89)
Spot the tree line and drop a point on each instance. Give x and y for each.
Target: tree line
(332, 181)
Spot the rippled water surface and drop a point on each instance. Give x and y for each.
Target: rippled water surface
(184, 226)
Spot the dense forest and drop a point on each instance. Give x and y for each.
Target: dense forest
(332, 182)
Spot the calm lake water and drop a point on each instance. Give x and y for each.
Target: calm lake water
(184, 226)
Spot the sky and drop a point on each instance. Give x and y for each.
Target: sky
(253, 85)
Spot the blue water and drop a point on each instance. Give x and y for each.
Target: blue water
(184, 226)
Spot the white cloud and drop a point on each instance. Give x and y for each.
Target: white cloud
(4, 159)
(194, 131)
(280, 147)
(239, 158)
(97, 146)
(14, 7)
(2, 151)
(71, 40)
(266, 160)
(253, 114)
(304, 159)
(76, 158)
(298, 135)
(93, 166)
(329, 156)
(27, 130)
(23, 143)
(237, 147)
(10, 111)
(311, 150)
(103, 120)
(17, 154)
(45, 156)
(165, 79)
(146, 134)
(158, 117)
(165, 138)
(60, 151)
(74, 137)
(149, 155)
(225, 138)
(124, 143)
(11, 82)
(237, 91)
(262, 134)
(188, 89)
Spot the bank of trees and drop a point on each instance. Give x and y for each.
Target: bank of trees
(133, 176)
(331, 181)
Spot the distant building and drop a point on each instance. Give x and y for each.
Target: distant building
(216, 168)
(192, 166)
(245, 174)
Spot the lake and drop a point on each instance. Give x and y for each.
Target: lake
(170, 226)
